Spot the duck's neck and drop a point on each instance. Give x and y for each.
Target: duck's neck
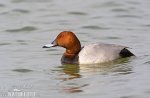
(73, 52)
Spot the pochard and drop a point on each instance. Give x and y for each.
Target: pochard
(89, 54)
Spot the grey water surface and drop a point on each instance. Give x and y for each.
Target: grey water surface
(29, 71)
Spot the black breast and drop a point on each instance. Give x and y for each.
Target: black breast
(66, 60)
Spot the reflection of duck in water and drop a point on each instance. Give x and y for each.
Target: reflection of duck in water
(68, 84)
(119, 66)
(74, 78)
(90, 54)
(71, 70)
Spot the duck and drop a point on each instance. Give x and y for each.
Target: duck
(89, 54)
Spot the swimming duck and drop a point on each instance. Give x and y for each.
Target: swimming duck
(89, 54)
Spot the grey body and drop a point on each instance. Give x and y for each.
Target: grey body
(98, 53)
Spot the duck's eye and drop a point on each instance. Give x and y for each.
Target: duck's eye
(61, 36)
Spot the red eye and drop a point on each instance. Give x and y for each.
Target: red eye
(61, 36)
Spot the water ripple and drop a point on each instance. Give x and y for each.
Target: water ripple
(128, 16)
(5, 43)
(77, 13)
(107, 4)
(29, 1)
(148, 62)
(22, 42)
(94, 27)
(22, 70)
(111, 4)
(21, 11)
(26, 29)
(18, 11)
(112, 37)
(2, 5)
(146, 25)
(120, 10)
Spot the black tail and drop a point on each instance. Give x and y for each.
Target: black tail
(126, 53)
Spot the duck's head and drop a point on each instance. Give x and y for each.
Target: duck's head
(68, 40)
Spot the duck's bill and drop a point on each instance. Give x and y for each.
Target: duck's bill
(49, 45)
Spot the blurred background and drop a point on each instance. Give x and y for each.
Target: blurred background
(27, 25)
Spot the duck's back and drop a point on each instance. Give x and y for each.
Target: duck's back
(100, 52)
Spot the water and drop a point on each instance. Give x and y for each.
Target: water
(27, 25)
